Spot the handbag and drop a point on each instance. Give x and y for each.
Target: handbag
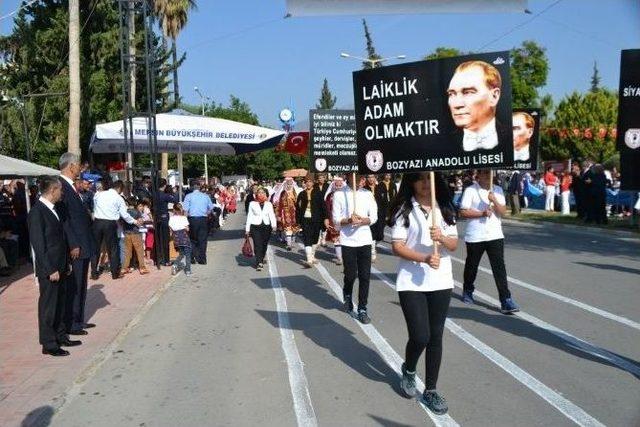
(247, 249)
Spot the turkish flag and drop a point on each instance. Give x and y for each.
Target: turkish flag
(297, 143)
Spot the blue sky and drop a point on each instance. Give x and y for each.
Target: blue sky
(246, 47)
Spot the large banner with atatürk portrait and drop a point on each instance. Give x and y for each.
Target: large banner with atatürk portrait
(442, 114)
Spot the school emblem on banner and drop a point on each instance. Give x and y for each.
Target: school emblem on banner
(632, 138)
(321, 164)
(374, 160)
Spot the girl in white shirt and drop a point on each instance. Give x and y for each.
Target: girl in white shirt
(425, 279)
(261, 220)
(179, 225)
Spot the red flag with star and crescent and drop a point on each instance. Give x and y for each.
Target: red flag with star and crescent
(296, 143)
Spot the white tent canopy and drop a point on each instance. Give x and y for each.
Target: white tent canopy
(16, 168)
(181, 131)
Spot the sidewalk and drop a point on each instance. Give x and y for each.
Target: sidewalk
(31, 384)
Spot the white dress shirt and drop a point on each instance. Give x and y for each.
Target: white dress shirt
(366, 207)
(521, 155)
(257, 215)
(482, 229)
(486, 138)
(419, 276)
(48, 204)
(110, 205)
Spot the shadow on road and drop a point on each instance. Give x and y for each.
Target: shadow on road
(96, 300)
(341, 342)
(613, 267)
(39, 417)
(387, 422)
(522, 328)
(306, 287)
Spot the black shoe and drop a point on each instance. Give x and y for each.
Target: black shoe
(348, 304)
(436, 403)
(78, 332)
(55, 351)
(89, 325)
(363, 317)
(95, 276)
(69, 343)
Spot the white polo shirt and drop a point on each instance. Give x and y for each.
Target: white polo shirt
(342, 208)
(419, 276)
(482, 229)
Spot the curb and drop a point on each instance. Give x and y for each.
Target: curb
(622, 233)
(59, 402)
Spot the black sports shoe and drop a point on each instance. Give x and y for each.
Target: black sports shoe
(363, 317)
(436, 403)
(348, 304)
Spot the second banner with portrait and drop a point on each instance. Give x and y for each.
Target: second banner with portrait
(443, 114)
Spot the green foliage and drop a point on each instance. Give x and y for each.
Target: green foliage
(443, 52)
(582, 111)
(529, 70)
(371, 50)
(327, 101)
(35, 56)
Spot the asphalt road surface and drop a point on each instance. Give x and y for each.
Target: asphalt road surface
(230, 346)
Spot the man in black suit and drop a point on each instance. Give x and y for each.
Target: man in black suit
(47, 237)
(474, 92)
(162, 220)
(310, 214)
(77, 225)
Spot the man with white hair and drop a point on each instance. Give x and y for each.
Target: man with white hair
(77, 222)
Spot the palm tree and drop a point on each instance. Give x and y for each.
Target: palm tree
(74, 77)
(173, 16)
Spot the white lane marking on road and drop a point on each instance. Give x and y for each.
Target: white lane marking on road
(565, 406)
(567, 300)
(387, 352)
(574, 341)
(297, 380)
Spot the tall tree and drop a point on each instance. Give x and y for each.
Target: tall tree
(581, 127)
(374, 58)
(529, 70)
(75, 95)
(327, 100)
(595, 79)
(173, 16)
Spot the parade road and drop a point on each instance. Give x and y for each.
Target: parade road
(233, 346)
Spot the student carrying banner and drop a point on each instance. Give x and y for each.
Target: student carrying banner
(353, 215)
(483, 206)
(425, 277)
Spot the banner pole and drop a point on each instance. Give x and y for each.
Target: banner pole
(353, 182)
(432, 183)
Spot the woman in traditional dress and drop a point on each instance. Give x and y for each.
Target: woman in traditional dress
(286, 213)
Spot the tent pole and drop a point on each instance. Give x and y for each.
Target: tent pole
(180, 171)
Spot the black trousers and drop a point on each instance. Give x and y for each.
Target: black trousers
(106, 231)
(310, 231)
(199, 232)
(51, 312)
(495, 252)
(76, 294)
(357, 262)
(515, 203)
(425, 314)
(260, 235)
(162, 239)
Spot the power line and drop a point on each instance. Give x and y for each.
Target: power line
(8, 15)
(518, 26)
(234, 33)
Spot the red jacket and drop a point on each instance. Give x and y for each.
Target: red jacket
(550, 178)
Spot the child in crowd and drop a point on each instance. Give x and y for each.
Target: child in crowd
(179, 226)
(148, 236)
(133, 239)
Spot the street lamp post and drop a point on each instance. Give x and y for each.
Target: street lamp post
(373, 62)
(202, 99)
